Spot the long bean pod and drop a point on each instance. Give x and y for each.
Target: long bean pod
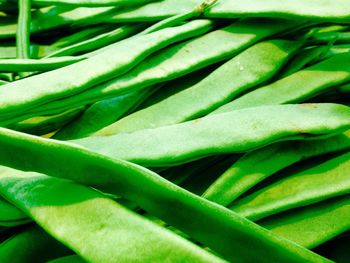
(235, 131)
(303, 225)
(112, 62)
(293, 89)
(213, 225)
(228, 81)
(327, 180)
(257, 165)
(179, 60)
(330, 10)
(83, 219)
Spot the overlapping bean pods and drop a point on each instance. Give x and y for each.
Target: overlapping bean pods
(220, 230)
(174, 131)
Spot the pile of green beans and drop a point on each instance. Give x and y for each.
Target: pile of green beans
(174, 131)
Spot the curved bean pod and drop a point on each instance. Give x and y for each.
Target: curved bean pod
(313, 185)
(303, 225)
(83, 219)
(179, 60)
(8, 212)
(330, 10)
(235, 131)
(221, 86)
(98, 41)
(293, 89)
(102, 114)
(31, 245)
(257, 165)
(68, 259)
(90, 3)
(45, 124)
(213, 225)
(114, 61)
(23, 29)
(45, 64)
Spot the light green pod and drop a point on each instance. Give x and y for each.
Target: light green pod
(257, 165)
(179, 60)
(293, 89)
(214, 226)
(224, 84)
(19, 96)
(327, 180)
(83, 220)
(235, 131)
(312, 225)
(329, 10)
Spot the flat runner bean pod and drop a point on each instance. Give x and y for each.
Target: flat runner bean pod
(293, 88)
(98, 41)
(257, 165)
(98, 116)
(83, 219)
(102, 114)
(31, 245)
(235, 131)
(45, 64)
(221, 86)
(8, 212)
(23, 29)
(90, 3)
(329, 10)
(54, 17)
(181, 59)
(303, 224)
(215, 226)
(114, 61)
(45, 124)
(327, 180)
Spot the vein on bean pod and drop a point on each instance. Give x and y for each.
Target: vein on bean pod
(258, 165)
(92, 71)
(231, 132)
(324, 181)
(83, 219)
(215, 226)
(303, 225)
(221, 86)
(179, 60)
(293, 88)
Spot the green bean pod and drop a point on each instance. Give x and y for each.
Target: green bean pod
(179, 60)
(313, 185)
(235, 131)
(45, 124)
(83, 219)
(215, 226)
(102, 114)
(224, 84)
(330, 10)
(23, 29)
(45, 64)
(97, 42)
(90, 3)
(313, 225)
(114, 61)
(257, 165)
(10, 214)
(31, 245)
(293, 89)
